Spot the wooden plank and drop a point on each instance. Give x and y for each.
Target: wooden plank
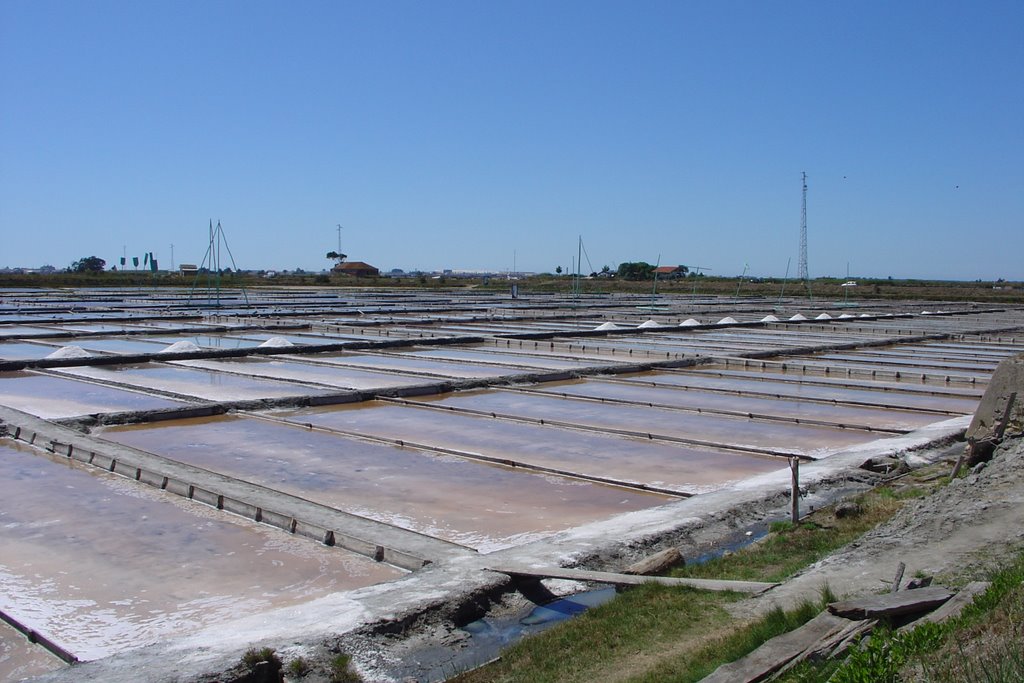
(891, 604)
(632, 580)
(656, 563)
(953, 607)
(779, 651)
(832, 644)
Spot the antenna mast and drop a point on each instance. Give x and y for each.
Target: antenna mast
(802, 267)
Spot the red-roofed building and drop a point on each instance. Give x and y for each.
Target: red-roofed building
(356, 269)
(671, 272)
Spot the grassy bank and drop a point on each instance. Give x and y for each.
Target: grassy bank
(659, 633)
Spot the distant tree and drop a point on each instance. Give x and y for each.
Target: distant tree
(605, 269)
(637, 270)
(558, 269)
(340, 258)
(89, 264)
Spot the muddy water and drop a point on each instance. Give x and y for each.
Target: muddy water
(398, 363)
(101, 564)
(20, 659)
(343, 378)
(212, 386)
(677, 467)
(681, 397)
(479, 505)
(783, 437)
(52, 397)
(798, 390)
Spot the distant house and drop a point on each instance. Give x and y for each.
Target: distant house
(188, 269)
(671, 272)
(355, 269)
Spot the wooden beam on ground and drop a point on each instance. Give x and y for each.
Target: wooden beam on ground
(778, 652)
(891, 604)
(953, 607)
(656, 563)
(753, 587)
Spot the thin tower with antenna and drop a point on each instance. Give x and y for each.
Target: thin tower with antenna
(802, 267)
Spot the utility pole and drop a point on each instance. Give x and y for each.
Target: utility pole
(339, 238)
(802, 267)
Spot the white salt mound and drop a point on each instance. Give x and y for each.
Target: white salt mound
(277, 343)
(70, 352)
(182, 346)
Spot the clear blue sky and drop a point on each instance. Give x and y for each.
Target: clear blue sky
(456, 134)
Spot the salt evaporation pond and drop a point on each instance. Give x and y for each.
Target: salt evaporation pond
(20, 659)
(53, 397)
(786, 408)
(101, 565)
(782, 437)
(341, 377)
(791, 389)
(399, 363)
(212, 386)
(623, 459)
(479, 505)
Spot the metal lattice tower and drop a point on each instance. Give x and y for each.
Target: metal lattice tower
(802, 267)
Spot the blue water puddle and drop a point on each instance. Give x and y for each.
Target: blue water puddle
(490, 635)
(511, 629)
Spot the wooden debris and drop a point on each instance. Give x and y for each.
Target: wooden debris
(952, 607)
(891, 604)
(753, 587)
(847, 509)
(656, 563)
(900, 568)
(922, 582)
(884, 465)
(780, 651)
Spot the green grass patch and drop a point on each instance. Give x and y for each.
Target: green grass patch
(656, 633)
(691, 667)
(646, 618)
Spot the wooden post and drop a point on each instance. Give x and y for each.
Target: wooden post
(794, 467)
(900, 568)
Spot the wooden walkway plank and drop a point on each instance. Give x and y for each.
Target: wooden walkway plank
(753, 587)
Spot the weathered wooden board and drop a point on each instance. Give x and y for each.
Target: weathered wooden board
(891, 604)
(632, 580)
(656, 563)
(779, 651)
(953, 607)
